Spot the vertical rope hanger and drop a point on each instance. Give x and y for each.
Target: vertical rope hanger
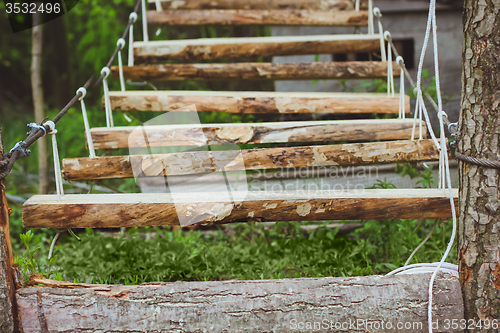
(90, 143)
(390, 72)
(133, 17)
(107, 102)
(145, 35)
(121, 43)
(371, 30)
(378, 15)
(402, 110)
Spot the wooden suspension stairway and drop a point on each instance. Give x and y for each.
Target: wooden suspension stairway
(310, 143)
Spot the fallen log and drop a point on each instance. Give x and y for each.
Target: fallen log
(216, 48)
(256, 16)
(199, 162)
(352, 304)
(210, 208)
(250, 133)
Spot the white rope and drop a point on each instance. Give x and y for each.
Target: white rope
(158, 9)
(121, 43)
(133, 17)
(378, 15)
(431, 24)
(402, 110)
(144, 21)
(90, 143)
(107, 101)
(371, 30)
(417, 114)
(53, 244)
(390, 72)
(57, 163)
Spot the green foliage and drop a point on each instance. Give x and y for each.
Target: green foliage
(28, 263)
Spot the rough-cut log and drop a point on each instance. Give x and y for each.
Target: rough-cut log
(259, 71)
(331, 5)
(148, 209)
(7, 285)
(333, 304)
(196, 162)
(479, 134)
(255, 102)
(216, 48)
(213, 134)
(250, 17)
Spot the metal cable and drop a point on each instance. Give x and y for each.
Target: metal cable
(479, 161)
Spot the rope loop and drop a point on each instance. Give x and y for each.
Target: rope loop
(21, 147)
(133, 17)
(400, 61)
(387, 36)
(83, 91)
(377, 13)
(35, 126)
(105, 71)
(52, 126)
(452, 128)
(442, 114)
(121, 43)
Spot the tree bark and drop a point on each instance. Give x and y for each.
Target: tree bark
(7, 285)
(313, 204)
(217, 48)
(479, 128)
(38, 101)
(258, 17)
(199, 162)
(255, 102)
(356, 304)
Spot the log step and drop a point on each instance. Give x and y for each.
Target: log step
(331, 5)
(148, 209)
(199, 162)
(257, 17)
(216, 48)
(246, 133)
(256, 102)
(259, 71)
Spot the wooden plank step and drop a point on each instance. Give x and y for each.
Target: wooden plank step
(256, 102)
(273, 132)
(332, 5)
(257, 17)
(196, 162)
(259, 71)
(148, 209)
(216, 48)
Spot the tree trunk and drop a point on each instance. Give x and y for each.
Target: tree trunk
(354, 304)
(38, 103)
(479, 221)
(7, 287)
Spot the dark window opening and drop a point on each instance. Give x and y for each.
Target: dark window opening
(405, 47)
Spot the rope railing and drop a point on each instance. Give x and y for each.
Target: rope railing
(21, 150)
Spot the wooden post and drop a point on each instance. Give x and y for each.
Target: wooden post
(7, 286)
(479, 133)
